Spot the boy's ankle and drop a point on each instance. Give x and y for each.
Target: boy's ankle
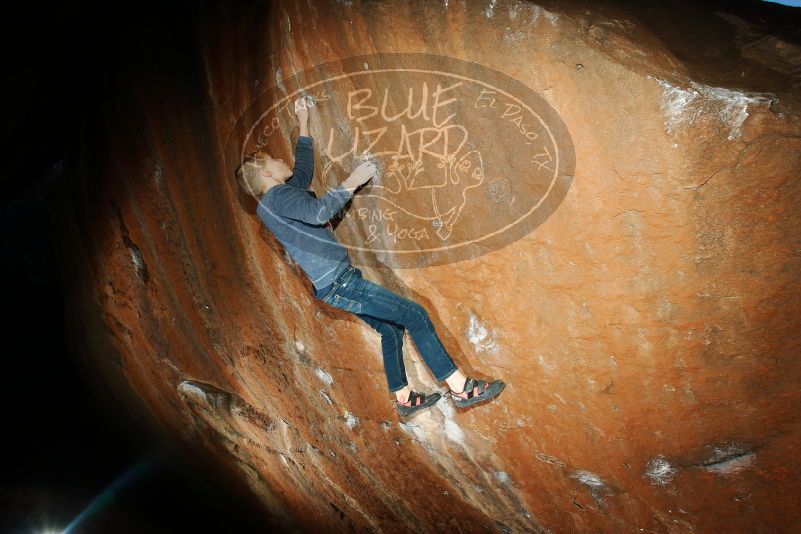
(402, 395)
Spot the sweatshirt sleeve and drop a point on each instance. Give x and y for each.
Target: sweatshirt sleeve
(304, 163)
(297, 204)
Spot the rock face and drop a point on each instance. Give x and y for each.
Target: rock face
(646, 317)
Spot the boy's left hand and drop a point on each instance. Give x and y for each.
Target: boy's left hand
(302, 106)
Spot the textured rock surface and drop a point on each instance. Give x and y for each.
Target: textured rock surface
(648, 330)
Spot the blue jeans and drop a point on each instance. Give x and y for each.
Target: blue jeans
(389, 314)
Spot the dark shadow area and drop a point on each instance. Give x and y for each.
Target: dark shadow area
(67, 450)
(693, 32)
(65, 446)
(715, 40)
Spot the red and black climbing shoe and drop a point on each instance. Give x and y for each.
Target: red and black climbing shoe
(476, 391)
(415, 402)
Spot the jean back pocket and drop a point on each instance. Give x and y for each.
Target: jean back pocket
(353, 306)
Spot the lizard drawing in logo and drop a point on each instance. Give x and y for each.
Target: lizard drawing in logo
(436, 176)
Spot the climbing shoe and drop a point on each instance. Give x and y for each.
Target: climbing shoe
(476, 391)
(416, 402)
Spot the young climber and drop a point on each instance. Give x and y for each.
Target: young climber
(298, 219)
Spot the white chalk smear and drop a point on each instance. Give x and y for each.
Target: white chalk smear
(502, 477)
(683, 106)
(414, 430)
(588, 479)
(729, 459)
(660, 471)
(552, 17)
(514, 36)
(452, 429)
(191, 390)
(490, 8)
(325, 377)
(351, 420)
(481, 337)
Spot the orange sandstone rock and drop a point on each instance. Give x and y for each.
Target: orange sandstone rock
(635, 284)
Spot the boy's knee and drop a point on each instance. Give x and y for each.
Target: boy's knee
(418, 311)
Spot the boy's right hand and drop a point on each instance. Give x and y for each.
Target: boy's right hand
(302, 106)
(362, 173)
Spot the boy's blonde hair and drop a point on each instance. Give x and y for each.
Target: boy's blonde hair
(247, 174)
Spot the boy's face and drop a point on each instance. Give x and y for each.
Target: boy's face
(275, 170)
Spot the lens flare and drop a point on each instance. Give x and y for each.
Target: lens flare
(109, 494)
